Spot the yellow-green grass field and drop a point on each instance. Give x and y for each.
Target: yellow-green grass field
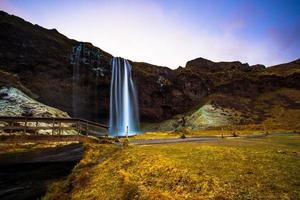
(235, 131)
(237, 168)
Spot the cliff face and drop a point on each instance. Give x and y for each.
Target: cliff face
(166, 93)
(39, 62)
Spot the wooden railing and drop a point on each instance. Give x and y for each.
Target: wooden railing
(57, 126)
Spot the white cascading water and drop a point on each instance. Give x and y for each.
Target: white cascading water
(124, 115)
(76, 78)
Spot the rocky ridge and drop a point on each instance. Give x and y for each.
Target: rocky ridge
(38, 61)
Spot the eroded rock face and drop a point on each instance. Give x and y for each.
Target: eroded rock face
(14, 103)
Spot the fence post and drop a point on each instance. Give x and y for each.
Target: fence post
(11, 124)
(59, 130)
(53, 126)
(87, 128)
(36, 126)
(77, 128)
(25, 126)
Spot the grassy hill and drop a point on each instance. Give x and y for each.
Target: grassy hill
(278, 109)
(227, 169)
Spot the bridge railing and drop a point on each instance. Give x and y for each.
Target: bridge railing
(51, 126)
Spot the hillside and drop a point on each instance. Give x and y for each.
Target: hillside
(38, 62)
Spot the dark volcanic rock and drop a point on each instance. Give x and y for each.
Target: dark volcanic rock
(204, 65)
(37, 61)
(258, 67)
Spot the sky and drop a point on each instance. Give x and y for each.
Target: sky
(172, 32)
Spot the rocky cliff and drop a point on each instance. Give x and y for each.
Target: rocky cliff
(40, 62)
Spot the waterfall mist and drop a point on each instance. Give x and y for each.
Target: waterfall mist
(124, 114)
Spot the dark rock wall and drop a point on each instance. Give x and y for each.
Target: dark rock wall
(37, 60)
(40, 60)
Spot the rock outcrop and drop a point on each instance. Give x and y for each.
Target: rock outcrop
(15, 103)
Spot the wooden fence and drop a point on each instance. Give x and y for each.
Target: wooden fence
(54, 126)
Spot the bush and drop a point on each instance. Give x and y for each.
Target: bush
(234, 134)
(105, 141)
(267, 133)
(296, 131)
(116, 139)
(125, 142)
(182, 136)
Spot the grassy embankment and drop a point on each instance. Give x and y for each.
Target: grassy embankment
(18, 147)
(261, 168)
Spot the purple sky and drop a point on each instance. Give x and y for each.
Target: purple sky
(171, 32)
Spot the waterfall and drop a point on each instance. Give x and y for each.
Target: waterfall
(124, 116)
(76, 78)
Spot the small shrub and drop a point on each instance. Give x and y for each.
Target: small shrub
(125, 142)
(105, 141)
(296, 131)
(182, 136)
(234, 134)
(116, 139)
(267, 133)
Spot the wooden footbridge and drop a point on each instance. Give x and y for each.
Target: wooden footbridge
(51, 126)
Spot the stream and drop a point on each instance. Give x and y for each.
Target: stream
(27, 175)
